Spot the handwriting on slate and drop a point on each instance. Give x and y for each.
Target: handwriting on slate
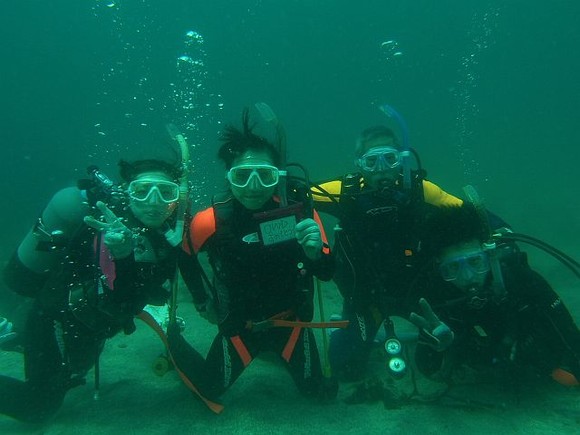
(278, 230)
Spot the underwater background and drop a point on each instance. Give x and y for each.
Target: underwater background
(489, 90)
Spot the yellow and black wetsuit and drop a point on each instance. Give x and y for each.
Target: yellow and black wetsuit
(378, 254)
(432, 194)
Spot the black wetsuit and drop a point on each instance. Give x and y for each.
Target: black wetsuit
(252, 283)
(68, 323)
(530, 331)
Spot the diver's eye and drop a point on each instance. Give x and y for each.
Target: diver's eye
(267, 176)
(392, 159)
(478, 263)
(166, 191)
(371, 161)
(475, 262)
(241, 175)
(140, 192)
(450, 269)
(453, 266)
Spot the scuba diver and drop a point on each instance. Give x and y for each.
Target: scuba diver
(381, 211)
(505, 319)
(261, 256)
(96, 256)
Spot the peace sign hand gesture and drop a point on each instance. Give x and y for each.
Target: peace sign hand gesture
(118, 238)
(432, 331)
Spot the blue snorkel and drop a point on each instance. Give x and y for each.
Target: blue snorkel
(406, 152)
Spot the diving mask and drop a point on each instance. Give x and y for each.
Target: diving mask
(267, 175)
(142, 190)
(379, 159)
(476, 262)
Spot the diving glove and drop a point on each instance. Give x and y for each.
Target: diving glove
(6, 333)
(118, 238)
(310, 238)
(432, 331)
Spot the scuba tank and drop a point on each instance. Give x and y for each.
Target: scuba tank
(61, 219)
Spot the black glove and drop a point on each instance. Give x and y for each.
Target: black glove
(6, 332)
(432, 331)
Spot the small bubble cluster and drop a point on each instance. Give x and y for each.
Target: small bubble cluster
(481, 35)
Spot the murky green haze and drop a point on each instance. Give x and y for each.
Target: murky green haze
(489, 89)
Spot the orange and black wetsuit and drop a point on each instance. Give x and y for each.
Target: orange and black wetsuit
(378, 254)
(251, 283)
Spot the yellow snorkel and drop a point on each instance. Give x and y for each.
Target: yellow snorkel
(175, 235)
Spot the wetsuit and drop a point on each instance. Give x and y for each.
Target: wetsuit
(378, 253)
(251, 283)
(84, 298)
(530, 330)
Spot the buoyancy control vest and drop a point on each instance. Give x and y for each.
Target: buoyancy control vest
(254, 280)
(379, 240)
(102, 293)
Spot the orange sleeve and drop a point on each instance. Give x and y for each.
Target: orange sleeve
(317, 219)
(201, 228)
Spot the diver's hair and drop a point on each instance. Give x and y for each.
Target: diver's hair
(372, 133)
(236, 142)
(448, 226)
(128, 171)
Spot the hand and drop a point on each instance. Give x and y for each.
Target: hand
(6, 333)
(432, 331)
(118, 238)
(308, 235)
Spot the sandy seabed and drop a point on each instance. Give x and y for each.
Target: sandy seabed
(265, 401)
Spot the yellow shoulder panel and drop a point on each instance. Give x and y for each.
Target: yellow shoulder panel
(434, 195)
(331, 187)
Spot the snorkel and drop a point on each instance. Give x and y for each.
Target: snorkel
(406, 152)
(489, 245)
(269, 116)
(175, 235)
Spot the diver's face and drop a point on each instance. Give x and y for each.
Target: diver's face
(258, 179)
(152, 201)
(383, 176)
(465, 265)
